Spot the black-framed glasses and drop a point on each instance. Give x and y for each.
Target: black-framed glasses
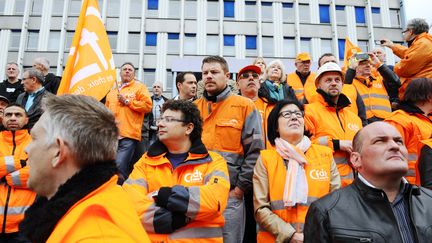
(247, 75)
(289, 114)
(27, 78)
(168, 119)
(404, 31)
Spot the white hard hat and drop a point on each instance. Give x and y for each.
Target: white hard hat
(328, 67)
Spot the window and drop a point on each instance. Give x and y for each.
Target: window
(19, 6)
(394, 18)
(212, 10)
(152, 4)
(57, 9)
(32, 40)
(341, 47)
(305, 45)
(14, 40)
(37, 7)
(229, 9)
(289, 48)
(212, 45)
(190, 9)
(267, 11)
(267, 46)
(304, 13)
(112, 38)
(190, 44)
(364, 46)
(251, 45)
(326, 46)
(69, 38)
(151, 39)
(113, 8)
(173, 43)
(149, 77)
(74, 7)
(134, 42)
(340, 15)
(54, 40)
(250, 10)
(376, 17)
(2, 6)
(174, 9)
(135, 8)
(360, 15)
(324, 11)
(170, 80)
(229, 45)
(288, 12)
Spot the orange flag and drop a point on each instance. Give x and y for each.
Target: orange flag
(90, 68)
(350, 49)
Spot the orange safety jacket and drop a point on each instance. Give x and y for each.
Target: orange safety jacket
(299, 89)
(374, 95)
(15, 197)
(199, 191)
(428, 143)
(414, 127)
(130, 117)
(415, 61)
(328, 124)
(322, 178)
(264, 109)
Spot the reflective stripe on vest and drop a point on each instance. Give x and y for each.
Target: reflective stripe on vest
(279, 204)
(10, 164)
(375, 98)
(16, 180)
(194, 202)
(18, 210)
(139, 182)
(196, 233)
(323, 140)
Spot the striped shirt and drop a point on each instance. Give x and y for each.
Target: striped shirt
(401, 213)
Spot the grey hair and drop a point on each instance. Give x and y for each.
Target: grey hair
(84, 123)
(418, 25)
(43, 61)
(276, 62)
(13, 63)
(33, 72)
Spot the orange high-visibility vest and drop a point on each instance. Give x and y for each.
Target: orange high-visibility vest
(299, 89)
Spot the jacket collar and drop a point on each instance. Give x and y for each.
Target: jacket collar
(17, 136)
(219, 97)
(42, 217)
(410, 108)
(372, 193)
(325, 99)
(197, 152)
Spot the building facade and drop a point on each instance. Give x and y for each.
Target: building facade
(163, 37)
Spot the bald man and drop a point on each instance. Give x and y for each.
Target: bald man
(383, 206)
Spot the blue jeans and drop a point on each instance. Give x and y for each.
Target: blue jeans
(125, 152)
(235, 216)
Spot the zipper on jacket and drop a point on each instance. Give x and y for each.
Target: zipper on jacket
(13, 142)
(340, 122)
(6, 209)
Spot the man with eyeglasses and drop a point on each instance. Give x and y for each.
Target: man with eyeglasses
(329, 120)
(11, 87)
(302, 77)
(179, 188)
(416, 59)
(129, 102)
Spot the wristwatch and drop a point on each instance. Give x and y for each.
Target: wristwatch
(126, 102)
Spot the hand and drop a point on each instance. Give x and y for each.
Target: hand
(297, 238)
(386, 42)
(236, 192)
(122, 99)
(375, 61)
(345, 145)
(353, 63)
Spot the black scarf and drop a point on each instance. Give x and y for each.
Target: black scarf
(42, 217)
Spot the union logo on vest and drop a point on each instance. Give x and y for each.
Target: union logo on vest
(193, 177)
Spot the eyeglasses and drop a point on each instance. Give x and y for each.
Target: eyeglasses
(247, 75)
(168, 119)
(404, 31)
(27, 78)
(289, 114)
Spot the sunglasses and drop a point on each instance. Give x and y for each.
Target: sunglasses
(247, 75)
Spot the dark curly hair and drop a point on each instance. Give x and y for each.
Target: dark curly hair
(272, 120)
(190, 114)
(418, 90)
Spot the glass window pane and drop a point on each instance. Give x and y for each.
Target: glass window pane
(174, 9)
(267, 11)
(394, 18)
(289, 47)
(169, 87)
(19, 6)
(32, 40)
(229, 45)
(2, 6)
(229, 9)
(288, 13)
(250, 10)
(190, 9)
(212, 45)
(190, 44)
(37, 7)
(340, 15)
(75, 7)
(14, 40)
(113, 8)
(135, 8)
(149, 77)
(212, 10)
(134, 42)
(173, 43)
(54, 40)
(69, 38)
(57, 9)
(304, 13)
(326, 46)
(112, 38)
(305, 45)
(267, 46)
(363, 45)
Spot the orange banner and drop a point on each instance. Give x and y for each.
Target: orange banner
(350, 49)
(90, 68)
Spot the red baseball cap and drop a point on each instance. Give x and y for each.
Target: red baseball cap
(252, 68)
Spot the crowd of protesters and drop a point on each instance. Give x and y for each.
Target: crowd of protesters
(335, 155)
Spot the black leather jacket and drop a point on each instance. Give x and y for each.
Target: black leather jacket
(359, 213)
